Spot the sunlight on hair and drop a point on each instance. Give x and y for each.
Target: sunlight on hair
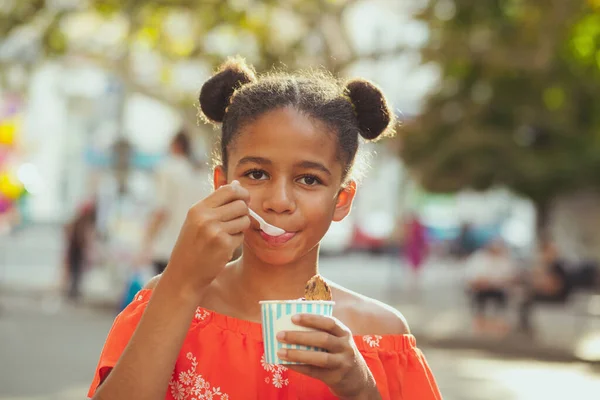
(362, 164)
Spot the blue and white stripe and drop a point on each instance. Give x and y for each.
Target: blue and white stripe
(274, 311)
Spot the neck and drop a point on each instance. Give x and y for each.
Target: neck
(257, 280)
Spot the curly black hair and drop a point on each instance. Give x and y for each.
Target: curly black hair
(235, 96)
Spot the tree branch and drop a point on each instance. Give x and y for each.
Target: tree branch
(373, 56)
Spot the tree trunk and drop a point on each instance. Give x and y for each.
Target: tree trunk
(542, 224)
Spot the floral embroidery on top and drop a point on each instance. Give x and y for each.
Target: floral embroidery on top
(277, 379)
(201, 314)
(189, 385)
(372, 340)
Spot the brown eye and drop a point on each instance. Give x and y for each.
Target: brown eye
(310, 180)
(256, 175)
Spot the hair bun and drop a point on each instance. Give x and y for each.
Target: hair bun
(372, 111)
(216, 93)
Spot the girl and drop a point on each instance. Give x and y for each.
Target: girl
(288, 143)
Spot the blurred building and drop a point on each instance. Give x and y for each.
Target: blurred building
(76, 112)
(75, 115)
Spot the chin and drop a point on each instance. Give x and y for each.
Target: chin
(276, 257)
(279, 255)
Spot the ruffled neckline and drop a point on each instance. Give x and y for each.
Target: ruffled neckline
(251, 329)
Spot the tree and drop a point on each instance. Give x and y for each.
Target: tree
(148, 43)
(517, 105)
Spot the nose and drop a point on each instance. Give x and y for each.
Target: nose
(280, 197)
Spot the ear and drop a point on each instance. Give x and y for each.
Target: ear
(344, 201)
(219, 177)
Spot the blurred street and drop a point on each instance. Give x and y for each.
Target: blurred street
(50, 353)
(437, 309)
(53, 346)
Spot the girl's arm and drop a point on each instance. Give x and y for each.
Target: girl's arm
(213, 229)
(145, 367)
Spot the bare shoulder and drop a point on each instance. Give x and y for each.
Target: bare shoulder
(151, 284)
(378, 318)
(367, 316)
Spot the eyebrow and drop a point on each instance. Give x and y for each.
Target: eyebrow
(254, 160)
(303, 164)
(314, 165)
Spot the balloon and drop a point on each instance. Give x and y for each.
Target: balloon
(7, 133)
(10, 186)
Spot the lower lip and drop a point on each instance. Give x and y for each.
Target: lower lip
(277, 240)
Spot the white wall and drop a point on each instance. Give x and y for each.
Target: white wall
(64, 116)
(45, 133)
(377, 205)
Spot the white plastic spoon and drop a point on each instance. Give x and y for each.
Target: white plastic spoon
(266, 228)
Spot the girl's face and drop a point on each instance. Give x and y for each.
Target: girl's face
(288, 164)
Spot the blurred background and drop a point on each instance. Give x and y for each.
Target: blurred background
(479, 221)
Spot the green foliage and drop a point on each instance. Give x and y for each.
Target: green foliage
(147, 21)
(518, 103)
(172, 34)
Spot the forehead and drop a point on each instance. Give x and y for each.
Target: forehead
(287, 135)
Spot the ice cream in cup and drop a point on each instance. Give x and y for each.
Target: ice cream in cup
(277, 317)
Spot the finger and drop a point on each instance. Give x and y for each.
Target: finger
(322, 323)
(237, 225)
(236, 240)
(233, 210)
(319, 359)
(226, 194)
(320, 339)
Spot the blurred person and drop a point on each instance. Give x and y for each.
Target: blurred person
(288, 144)
(466, 243)
(585, 276)
(179, 184)
(490, 275)
(416, 247)
(548, 283)
(81, 238)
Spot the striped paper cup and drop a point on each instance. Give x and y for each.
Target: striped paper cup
(277, 316)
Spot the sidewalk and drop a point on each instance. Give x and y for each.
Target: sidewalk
(438, 313)
(31, 262)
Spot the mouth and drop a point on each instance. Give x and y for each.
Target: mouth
(277, 240)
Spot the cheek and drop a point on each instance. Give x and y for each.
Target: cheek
(318, 207)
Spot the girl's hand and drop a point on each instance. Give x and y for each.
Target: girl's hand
(213, 229)
(341, 368)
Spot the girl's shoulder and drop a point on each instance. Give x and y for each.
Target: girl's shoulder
(362, 314)
(365, 315)
(151, 284)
